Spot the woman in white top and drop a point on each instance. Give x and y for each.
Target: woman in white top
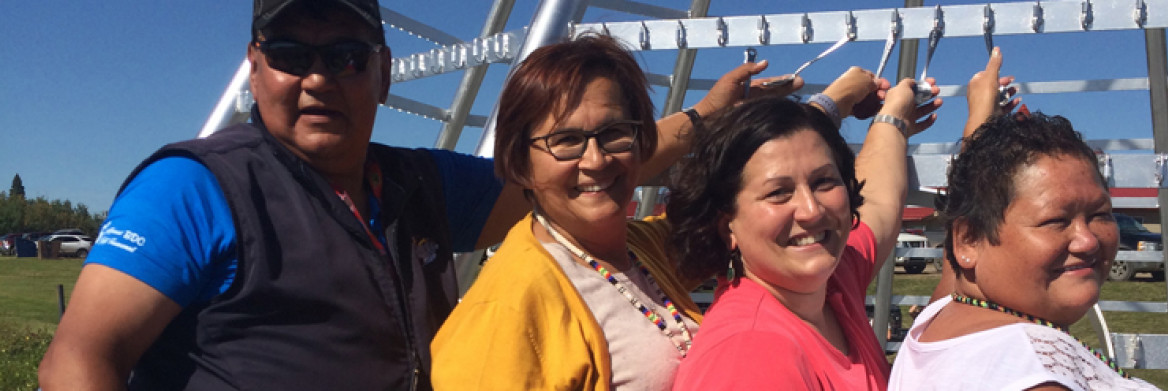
(1031, 237)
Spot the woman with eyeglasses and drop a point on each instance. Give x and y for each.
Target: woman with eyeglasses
(578, 296)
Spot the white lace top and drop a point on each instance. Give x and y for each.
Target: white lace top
(1012, 357)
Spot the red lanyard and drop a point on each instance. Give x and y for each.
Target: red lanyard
(373, 180)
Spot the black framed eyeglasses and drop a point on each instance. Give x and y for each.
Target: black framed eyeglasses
(344, 58)
(568, 144)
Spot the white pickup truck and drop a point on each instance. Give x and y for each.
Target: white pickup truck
(913, 265)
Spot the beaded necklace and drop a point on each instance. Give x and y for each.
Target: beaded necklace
(649, 314)
(1034, 319)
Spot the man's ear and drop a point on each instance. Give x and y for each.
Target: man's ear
(253, 54)
(386, 74)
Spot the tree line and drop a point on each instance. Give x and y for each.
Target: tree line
(18, 214)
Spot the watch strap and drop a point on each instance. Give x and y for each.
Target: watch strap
(828, 106)
(694, 117)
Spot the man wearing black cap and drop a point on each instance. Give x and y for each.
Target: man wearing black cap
(290, 252)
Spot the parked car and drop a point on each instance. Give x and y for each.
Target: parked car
(912, 265)
(68, 231)
(34, 236)
(8, 244)
(73, 245)
(1133, 236)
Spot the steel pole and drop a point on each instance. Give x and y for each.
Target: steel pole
(472, 79)
(906, 67)
(1158, 95)
(228, 110)
(549, 24)
(468, 265)
(678, 87)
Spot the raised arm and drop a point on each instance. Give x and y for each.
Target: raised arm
(675, 130)
(982, 94)
(982, 97)
(882, 164)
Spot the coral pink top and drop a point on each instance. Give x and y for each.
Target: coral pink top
(751, 341)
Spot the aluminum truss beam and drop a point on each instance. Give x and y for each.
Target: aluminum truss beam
(819, 27)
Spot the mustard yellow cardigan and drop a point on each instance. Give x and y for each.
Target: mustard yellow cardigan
(523, 325)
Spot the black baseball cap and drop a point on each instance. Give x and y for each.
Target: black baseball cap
(266, 11)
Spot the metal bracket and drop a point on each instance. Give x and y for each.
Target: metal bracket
(681, 42)
(1087, 16)
(1135, 350)
(924, 90)
(723, 31)
(1161, 160)
(850, 25)
(243, 101)
(938, 22)
(806, 28)
(764, 30)
(1140, 14)
(398, 75)
(417, 64)
(893, 36)
(987, 28)
(438, 62)
(1036, 17)
(458, 57)
(1105, 167)
(644, 37)
(502, 45)
(479, 49)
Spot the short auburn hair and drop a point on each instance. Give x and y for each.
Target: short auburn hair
(551, 82)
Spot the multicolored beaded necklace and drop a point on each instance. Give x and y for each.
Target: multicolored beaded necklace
(1034, 319)
(649, 314)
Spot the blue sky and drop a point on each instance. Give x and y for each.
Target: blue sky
(89, 89)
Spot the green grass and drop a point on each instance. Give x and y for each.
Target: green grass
(20, 353)
(28, 314)
(1119, 322)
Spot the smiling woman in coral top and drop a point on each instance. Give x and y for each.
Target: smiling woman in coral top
(774, 197)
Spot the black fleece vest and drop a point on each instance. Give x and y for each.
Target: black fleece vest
(314, 306)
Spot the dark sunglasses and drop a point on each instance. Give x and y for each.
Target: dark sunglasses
(569, 144)
(340, 59)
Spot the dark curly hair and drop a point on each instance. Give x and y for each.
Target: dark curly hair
(707, 182)
(981, 178)
(551, 81)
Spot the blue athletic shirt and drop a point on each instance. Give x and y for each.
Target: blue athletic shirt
(172, 229)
